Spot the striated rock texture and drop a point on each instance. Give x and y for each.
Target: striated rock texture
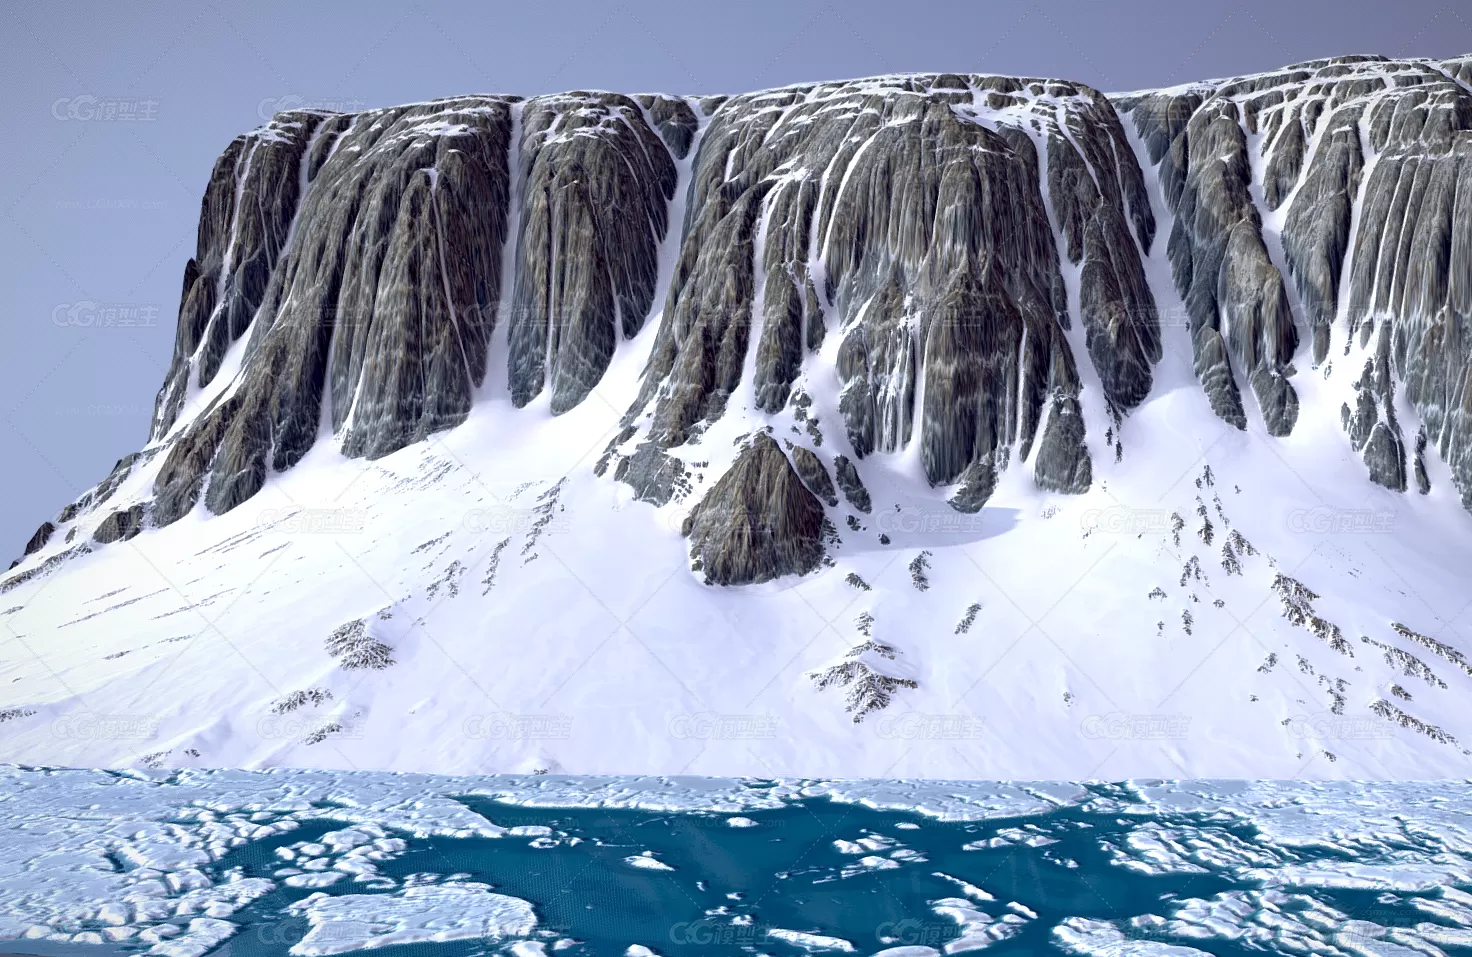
(244, 222)
(42, 536)
(383, 281)
(913, 217)
(946, 266)
(362, 258)
(1240, 319)
(758, 522)
(380, 309)
(596, 181)
(1063, 463)
(121, 525)
(815, 475)
(1365, 163)
(852, 485)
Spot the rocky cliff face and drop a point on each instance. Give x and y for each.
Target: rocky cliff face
(1360, 167)
(962, 257)
(903, 421)
(910, 215)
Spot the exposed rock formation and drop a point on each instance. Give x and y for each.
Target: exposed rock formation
(595, 184)
(1372, 425)
(866, 686)
(814, 475)
(389, 277)
(758, 521)
(1063, 463)
(977, 484)
(1233, 293)
(675, 120)
(1411, 266)
(121, 525)
(655, 476)
(244, 222)
(1316, 235)
(1372, 159)
(362, 256)
(383, 301)
(40, 538)
(852, 485)
(351, 271)
(919, 201)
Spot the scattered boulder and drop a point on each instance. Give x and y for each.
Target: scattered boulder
(1063, 463)
(852, 485)
(40, 538)
(121, 525)
(1386, 458)
(758, 522)
(977, 483)
(814, 475)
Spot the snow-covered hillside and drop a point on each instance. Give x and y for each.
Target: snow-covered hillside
(947, 426)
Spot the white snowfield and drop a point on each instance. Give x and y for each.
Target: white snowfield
(1220, 604)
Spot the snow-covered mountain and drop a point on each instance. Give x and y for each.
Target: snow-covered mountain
(956, 426)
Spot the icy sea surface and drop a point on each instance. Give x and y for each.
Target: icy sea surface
(259, 864)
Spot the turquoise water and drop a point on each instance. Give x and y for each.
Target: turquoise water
(730, 886)
(786, 870)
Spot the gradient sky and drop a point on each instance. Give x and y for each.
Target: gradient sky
(104, 211)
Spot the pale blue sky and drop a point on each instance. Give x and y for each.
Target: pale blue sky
(100, 210)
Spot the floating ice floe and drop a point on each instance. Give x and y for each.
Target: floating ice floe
(1097, 938)
(414, 915)
(810, 941)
